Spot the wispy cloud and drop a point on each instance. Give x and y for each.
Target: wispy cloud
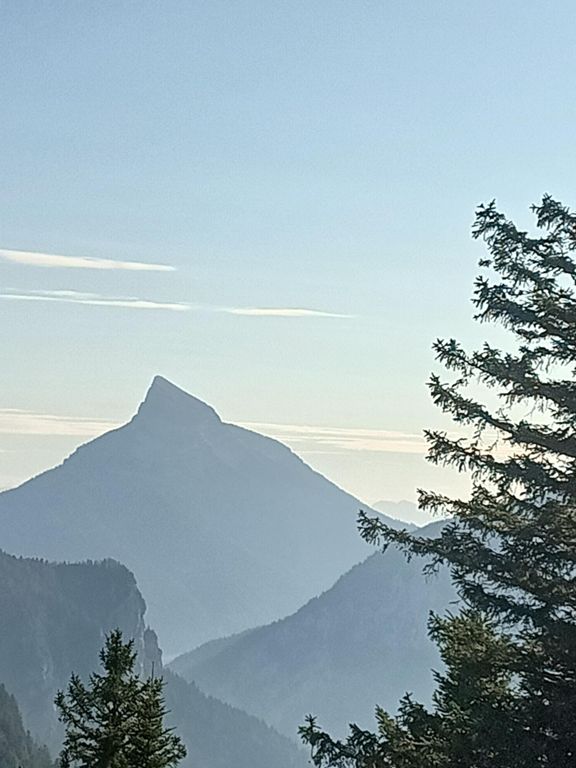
(303, 439)
(281, 312)
(18, 422)
(95, 299)
(308, 440)
(55, 261)
(313, 439)
(133, 302)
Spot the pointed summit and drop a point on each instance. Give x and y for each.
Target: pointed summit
(226, 529)
(166, 401)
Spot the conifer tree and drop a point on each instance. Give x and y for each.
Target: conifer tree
(508, 694)
(152, 745)
(116, 721)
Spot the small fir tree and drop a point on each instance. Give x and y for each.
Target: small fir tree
(116, 721)
(152, 745)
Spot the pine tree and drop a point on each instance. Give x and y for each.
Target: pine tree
(117, 720)
(151, 744)
(508, 695)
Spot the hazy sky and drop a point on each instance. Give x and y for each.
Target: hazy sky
(253, 159)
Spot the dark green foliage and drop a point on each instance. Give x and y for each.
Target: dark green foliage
(508, 695)
(117, 720)
(473, 721)
(152, 745)
(17, 750)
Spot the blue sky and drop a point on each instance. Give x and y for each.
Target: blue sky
(325, 156)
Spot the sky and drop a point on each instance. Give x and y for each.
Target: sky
(268, 203)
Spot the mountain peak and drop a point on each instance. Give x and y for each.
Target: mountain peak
(165, 401)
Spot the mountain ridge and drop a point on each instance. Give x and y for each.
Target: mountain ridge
(362, 642)
(224, 528)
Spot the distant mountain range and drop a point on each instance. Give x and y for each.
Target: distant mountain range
(53, 620)
(403, 511)
(361, 643)
(225, 529)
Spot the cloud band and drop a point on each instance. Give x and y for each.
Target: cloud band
(281, 312)
(96, 300)
(55, 261)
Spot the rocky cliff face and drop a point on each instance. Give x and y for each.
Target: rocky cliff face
(53, 620)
